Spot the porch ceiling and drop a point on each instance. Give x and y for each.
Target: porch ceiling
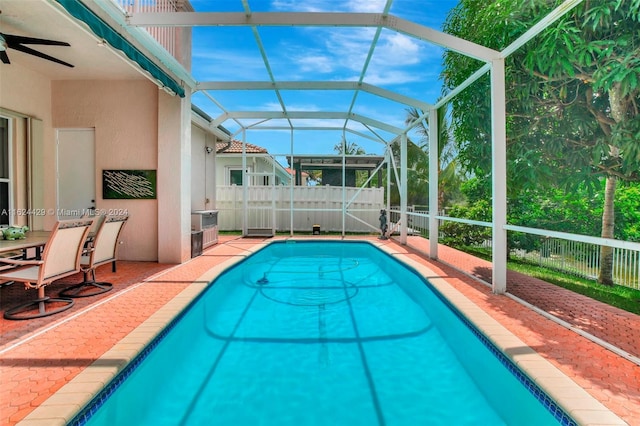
(92, 59)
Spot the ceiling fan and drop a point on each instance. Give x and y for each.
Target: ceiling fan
(9, 41)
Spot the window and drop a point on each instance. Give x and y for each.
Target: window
(234, 175)
(5, 173)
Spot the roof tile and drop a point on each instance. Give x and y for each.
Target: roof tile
(235, 147)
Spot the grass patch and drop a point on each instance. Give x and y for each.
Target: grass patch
(621, 297)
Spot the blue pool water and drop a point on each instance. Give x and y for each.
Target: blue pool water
(321, 333)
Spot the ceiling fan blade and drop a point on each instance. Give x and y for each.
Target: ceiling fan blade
(4, 57)
(13, 40)
(30, 51)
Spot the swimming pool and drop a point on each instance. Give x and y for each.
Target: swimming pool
(321, 333)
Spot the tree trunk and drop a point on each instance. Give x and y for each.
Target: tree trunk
(619, 106)
(608, 223)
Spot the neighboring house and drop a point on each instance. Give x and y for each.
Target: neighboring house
(262, 168)
(304, 180)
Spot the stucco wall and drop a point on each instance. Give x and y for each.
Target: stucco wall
(27, 93)
(174, 178)
(124, 115)
(202, 170)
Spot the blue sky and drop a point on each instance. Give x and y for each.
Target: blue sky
(401, 64)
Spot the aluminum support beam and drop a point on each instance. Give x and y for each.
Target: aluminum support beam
(291, 184)
(344, 192)
(315, 19)
(434, 167)
(245, 187)
(328, 115)
(313, 85)
(499, 175)
(388, 155)
(375, 123)
(403, 188)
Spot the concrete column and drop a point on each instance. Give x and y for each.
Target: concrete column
(174, 178)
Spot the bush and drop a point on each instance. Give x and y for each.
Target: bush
(457, 234)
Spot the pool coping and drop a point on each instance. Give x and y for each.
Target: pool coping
(68, 401)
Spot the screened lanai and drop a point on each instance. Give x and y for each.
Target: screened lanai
(342, 90)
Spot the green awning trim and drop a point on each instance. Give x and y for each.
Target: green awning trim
(79, 11)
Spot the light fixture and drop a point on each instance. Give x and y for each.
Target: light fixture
(208, 149)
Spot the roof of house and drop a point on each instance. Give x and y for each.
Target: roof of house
(235, 147)
(323, 162)
(293, 172)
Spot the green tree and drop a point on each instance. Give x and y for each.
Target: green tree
(449, 178)
(628, 211)
(352, 148)
(573, 97)
(349, 148)
(417, 175)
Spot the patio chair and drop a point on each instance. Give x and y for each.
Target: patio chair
(60, 258)
(102, 249)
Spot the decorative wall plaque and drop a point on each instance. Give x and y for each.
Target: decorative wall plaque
(129, 184)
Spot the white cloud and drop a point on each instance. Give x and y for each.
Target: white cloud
(342, 52)
(401, 49)
(327, 51)
(385, 77)
(315, 62)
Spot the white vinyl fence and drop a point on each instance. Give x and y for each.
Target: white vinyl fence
(312, 205)
(583, 260)
(572, 257)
